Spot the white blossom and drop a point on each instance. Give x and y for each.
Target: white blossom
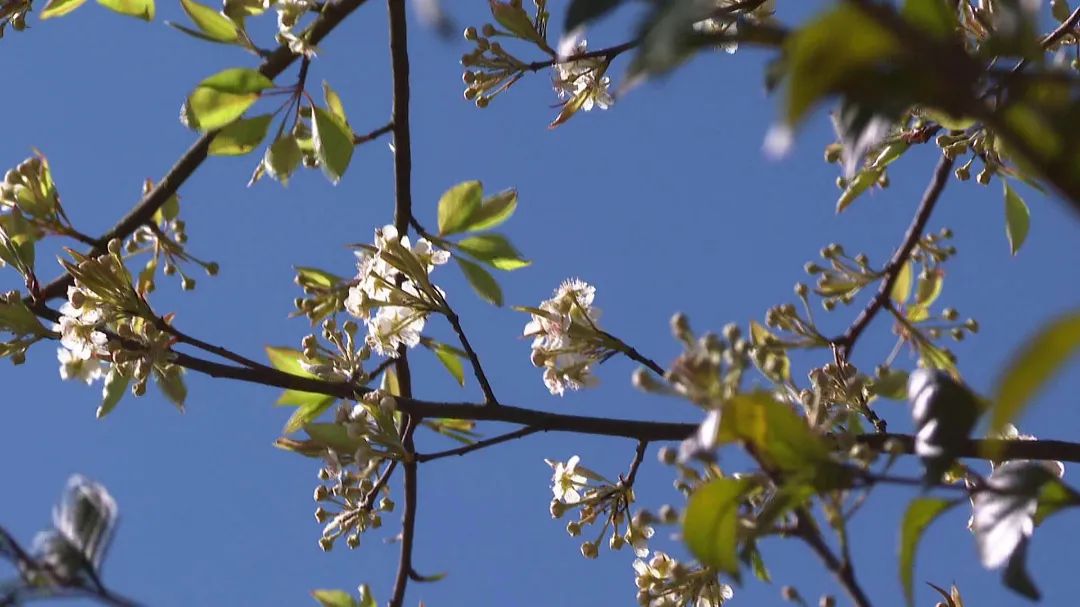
(566, 339)
(572, 77)
(82, 369)
(566, 480)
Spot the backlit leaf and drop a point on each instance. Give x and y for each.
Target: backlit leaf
(333, 143)
(240, 137)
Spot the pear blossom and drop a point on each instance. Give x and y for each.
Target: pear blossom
(728, 24)
(566, 339)
(87, 370)
(572, 77)
(566, 480)
(79, 330)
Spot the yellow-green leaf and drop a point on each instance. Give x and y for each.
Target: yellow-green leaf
(451, 359)
(115, 387)
(493, 211)
(333, 598)
(241, 136)
(1017, 219)
(1037, 361)
(901, 289)
(920, 513)
(143, 9)
(481, 281)
(333, 102)
(333, 143)
(711, 523)
(59, 8)
(224, 97)
(457, 205)
(494, 250)
(213, 25)
(282, 158)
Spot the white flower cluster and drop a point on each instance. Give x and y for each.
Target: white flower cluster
(572, 77)
(392, 294)
(81, 340)
(664, 582)
(566, 340)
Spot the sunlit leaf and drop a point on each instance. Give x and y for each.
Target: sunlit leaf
(901, 289)
(457, 206)
(212, 24)
(494, 250)
(116, 385)
(143, 9)
(171, 384)
(451, 358)
(241, 136)
(333, 143)
(59, 8)
(282, 158)
(333, 103)
(224, 97)
(1017, 218)
(307, 412)
(919, 514)
(711, 525)
(1038, 360)
(493, 211)
(481, 281)
(334, 598)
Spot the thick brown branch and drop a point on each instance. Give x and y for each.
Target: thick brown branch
(892, 269)
(275, 63)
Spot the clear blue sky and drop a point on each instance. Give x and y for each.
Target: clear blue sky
(665, 203)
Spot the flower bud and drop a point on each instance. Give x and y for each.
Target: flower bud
(827, 601)
(321, 493)
(616, 542)
(667, 455)
(557, 509)
(573, 528)
(326, 544)
(353, 540)
(470, 33)
(321, 515)
(789, 593)
(213, 268)
(589, 550)
(386, 504)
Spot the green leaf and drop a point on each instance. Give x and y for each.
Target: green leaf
(855, 188)
(570, 108)
(901, 289)
(1017, 219)
(214, 25)
(668, 36)
(457, 206)
(827, 52)
(115, 387)
(892, 385)
(711, 523)
(493, 211)
(143, 9)
(334, 436)
(307, 412)
(927, 291)
(224, 97)
(59, 8)
(481, 281)
(931, 16)
(334, 598)
(287, 360)
(514, 18)
(241, 136)
(451, 358)
(774, 430)
(333, 143)
(171, 384)
(282, 158)
(333, 103)
(1053, 497)
(494, 250)
(1037, 361)
(919, 514)
(366, 598)
(581, 12)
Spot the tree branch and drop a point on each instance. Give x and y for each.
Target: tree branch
(478, 370)
(379, 132)
(275, 63)
(846, 342)
(844, 574)
(481, 444)
(639, 456)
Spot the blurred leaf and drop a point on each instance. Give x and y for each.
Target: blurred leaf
(333, 143)
(580, 12)
(494, 250)
(115, 387)
(855, 188)
(458, 205)
(570, 108)
(287, 360)
(481, 281)
(513, 17)
(334, 598)
(224, 97)
(334, 436)
(668, 36)
(901, 289)
(213, 25)
(143, 9)
(307, 412)
(927, 291)
(934, 17)
(171, 384)
(451, 358)
(241, 136)
(711, 523)
(919, 514)
(1017, 218)
(1053, 497)
(282, 158)
(59, 8)
(1038, 360)
(493, 211)
(892, 385)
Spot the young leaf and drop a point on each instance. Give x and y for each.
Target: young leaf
(920, 513)
(333, 102)
(287, 360)
(282, 158)
(171, 384)
(451, 358)
(711, 523)
(334, 598)
(457, 206)
(143, 9)
(1017, 219)
(901, 289)
(481, 281)
(241, 136)
(213, 25)
(115, 387)
(494, 250)
(59, 8)
(493, 211)
(224, 97)
(333, 143)
(514, 18)
(1039, 359)
(581, 12)
(307, 413)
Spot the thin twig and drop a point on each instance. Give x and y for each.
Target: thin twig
(387, 472)
(891, 272)
(639, 456)
(630, 352)
(202, 345)
(478, 369)
(481, 444)
(808, 532)
(379, 132)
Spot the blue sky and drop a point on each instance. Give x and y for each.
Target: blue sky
(665, 203)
